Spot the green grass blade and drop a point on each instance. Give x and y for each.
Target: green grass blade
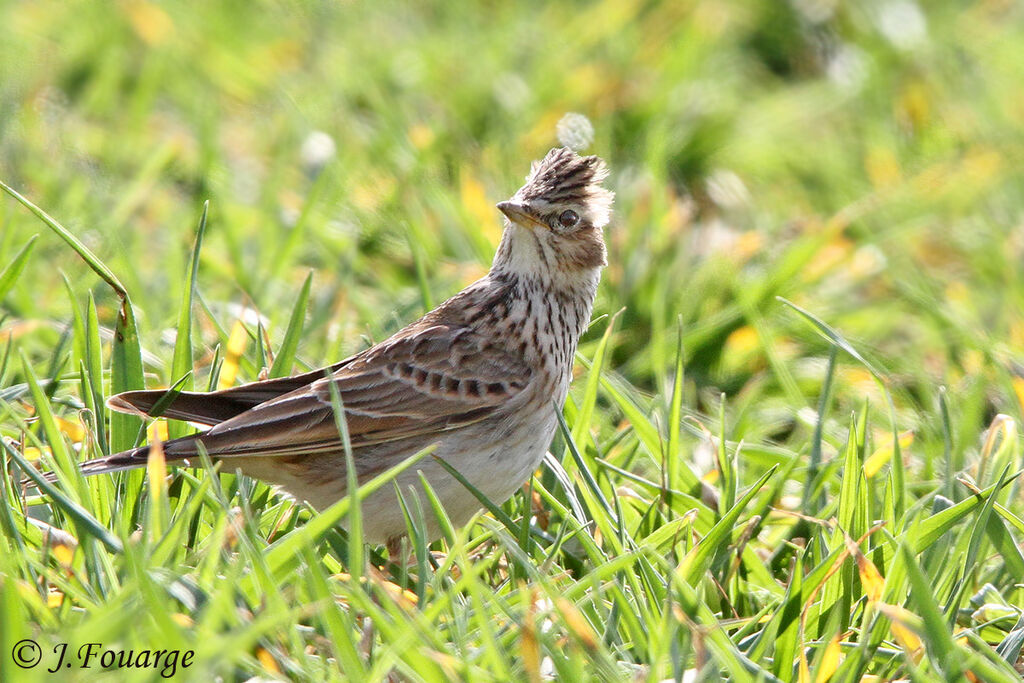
(675, 418)
(181, 361)
(697, 560)
(283, 554)
(54, 438)
(786, 642)
(9, 275)
(79, 514)
(926, 532)
(355, 516)
(125, 375)
(94, 373)
(648, 434)
(979, 534)
(585, 414)
(942, 651)
(90, 258)
(832, 336)
(593, 489)
(286, 354)
(486, 502)
(812, 503)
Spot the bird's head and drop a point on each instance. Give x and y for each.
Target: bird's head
(554, 221)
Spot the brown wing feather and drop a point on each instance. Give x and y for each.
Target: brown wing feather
(218, 406)
(428, 380)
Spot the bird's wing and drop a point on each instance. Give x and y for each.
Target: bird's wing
(215, 407)
(422, 382)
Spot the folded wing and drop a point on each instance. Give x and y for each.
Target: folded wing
(215, 407)
(428, 381)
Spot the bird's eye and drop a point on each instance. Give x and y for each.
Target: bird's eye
(568, 218)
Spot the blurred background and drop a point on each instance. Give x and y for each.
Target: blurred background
(862, 160)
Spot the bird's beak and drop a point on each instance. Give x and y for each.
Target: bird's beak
(518, 212)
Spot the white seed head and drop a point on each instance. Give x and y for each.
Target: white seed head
(575, 131)
(317, 149)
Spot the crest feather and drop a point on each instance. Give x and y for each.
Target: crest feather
(563, 176)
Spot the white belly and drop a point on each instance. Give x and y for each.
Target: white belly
(496, 468)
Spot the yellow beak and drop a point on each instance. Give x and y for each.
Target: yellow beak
(519, 213)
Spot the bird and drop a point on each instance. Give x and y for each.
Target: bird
(479, 378)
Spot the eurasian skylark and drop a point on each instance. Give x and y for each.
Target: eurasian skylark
(480, 376)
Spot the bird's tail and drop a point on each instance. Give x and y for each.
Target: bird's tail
(130, 459)
(125, 460)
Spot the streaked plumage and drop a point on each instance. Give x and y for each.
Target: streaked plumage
(480, 376)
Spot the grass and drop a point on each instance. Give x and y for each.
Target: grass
(792, 448)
